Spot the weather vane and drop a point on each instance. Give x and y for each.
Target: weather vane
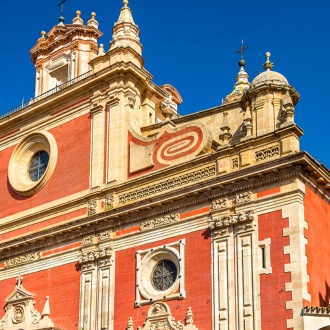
(241, 50)
(61, 18)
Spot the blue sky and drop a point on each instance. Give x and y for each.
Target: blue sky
(191, 44)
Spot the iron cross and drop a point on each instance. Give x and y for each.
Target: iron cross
(61, 4)
(241, 50)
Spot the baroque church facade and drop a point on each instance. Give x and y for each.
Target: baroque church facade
(118, 213)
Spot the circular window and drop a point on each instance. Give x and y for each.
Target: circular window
(159, 273)
(32, 163)
(164, 275)
(38, 165)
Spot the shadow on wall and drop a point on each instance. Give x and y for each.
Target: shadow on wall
(324, 302)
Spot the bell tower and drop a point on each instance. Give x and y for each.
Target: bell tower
(64, 52)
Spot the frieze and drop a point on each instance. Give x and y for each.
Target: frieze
(219, 204)
(30, 257)
(267, 153)
(224, 225)
(243, 197)
(81, 227)
(234, 163)
(91, 207)
(109, 201)
(105, 235)
(315, 310)
(169, 184)
(88, 240)
(161, 221)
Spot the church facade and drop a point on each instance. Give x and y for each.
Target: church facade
(119, 213)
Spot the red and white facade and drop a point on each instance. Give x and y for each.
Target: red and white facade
(225, 196)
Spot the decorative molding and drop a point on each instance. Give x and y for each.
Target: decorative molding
(160, 317)
(146, 261)
(92, 256)
(219, 204)
(225, 225)
(235, 163)
(162, 221)
(316, 310)
(105, 235)
(91, 207)
(109, 201)
(88, 240)
(20, 312)
(267, 153)
(243, 197)
(84, 226)
(30, 257)
(171, 183)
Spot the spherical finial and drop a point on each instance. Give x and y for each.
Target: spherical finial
(268, 65)
(241, 63)
(61, 19)
(78, 13)
(43, 33)
(93, 14)
(125, 3)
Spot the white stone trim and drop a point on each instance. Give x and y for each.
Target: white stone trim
(264, 257)
(20, 160)
(146, 260)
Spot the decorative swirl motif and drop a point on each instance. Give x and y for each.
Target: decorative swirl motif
(174, 146)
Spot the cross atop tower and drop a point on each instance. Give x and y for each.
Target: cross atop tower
(61, 18)
(241, 50)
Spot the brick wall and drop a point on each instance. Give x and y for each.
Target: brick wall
(272, 293)
(197, 283)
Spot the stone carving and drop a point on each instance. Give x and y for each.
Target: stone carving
(234, 163)
(22, 259)
(88, 240)
(92, 206)
(160, 318)
(100, 255)
(109, 201)
(105, 235)
(130, 325)
(224, 225)
(169, 184)
(189, 317)
(267, 153)
(162, 221)
(20, 312)
(312, 310)
(219, 204)
(80, 227)
(131, 101)
(243, 197)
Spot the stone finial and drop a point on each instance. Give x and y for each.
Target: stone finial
(46, 309)
(93, 21)
(226, 135)
(189, 317)
(268, 64)
(288, 111)
(130, 325)
(125, 2)
(43, 36)
(78, 20)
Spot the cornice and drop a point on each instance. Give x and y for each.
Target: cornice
(276, 171)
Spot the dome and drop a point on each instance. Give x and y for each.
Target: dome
(271, 77)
